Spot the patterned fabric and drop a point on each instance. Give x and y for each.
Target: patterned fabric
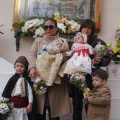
(48, 64)
(23, 88)
(79, 62)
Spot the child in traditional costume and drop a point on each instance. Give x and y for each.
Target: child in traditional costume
(19, 91)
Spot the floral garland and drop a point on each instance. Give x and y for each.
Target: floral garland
(34, 26)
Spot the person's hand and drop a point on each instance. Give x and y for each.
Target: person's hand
(64, 53)
(86, 97)
(29, 108)
(93, 50)
(33, 73)
(96, 60)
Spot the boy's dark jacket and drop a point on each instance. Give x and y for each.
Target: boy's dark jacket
(11, 84)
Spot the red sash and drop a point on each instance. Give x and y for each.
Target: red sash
(19, 102)
(84, 51)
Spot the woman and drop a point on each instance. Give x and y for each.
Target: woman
(88, 28)
(56, 100)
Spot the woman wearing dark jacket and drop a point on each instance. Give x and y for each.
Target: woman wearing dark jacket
(88, 28)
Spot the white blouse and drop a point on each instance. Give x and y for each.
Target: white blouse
(18, 90)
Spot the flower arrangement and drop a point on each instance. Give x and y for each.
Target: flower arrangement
(34, 26)
(0, 30)
(78, 80)
(4, 110)
(40, 87)
(116, 49)
(100, 51)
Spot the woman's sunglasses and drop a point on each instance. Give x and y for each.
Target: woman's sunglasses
(51, 27)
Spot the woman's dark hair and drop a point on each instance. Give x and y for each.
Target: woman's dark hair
(102, 74)
(51, 19)
(88, 23)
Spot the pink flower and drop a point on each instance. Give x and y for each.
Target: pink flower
(41, 87)
(115, 68)
(117, 34)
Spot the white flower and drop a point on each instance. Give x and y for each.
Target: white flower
(3, 105)
(41, 87)
(42, 91)
(4, 108)
(31, 23)
(39, 32)
(118, 56)
(62, 27)
(75, 26)
(57, 13)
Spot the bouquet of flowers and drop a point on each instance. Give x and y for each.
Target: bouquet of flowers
(40, 87)
(88, 93)
(78, 80)
(4, 110)
(101, 50)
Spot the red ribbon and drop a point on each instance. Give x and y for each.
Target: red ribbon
(84, 51)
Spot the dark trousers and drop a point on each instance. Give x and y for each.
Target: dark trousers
(89, 81)
(43, 117)
(77, 100)
(90, 86)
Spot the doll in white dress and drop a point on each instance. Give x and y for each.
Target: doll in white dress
(79, 61)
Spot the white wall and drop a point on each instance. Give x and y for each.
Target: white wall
(110, 19)
(7, 40)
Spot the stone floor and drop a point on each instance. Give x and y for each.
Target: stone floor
(69, 117)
